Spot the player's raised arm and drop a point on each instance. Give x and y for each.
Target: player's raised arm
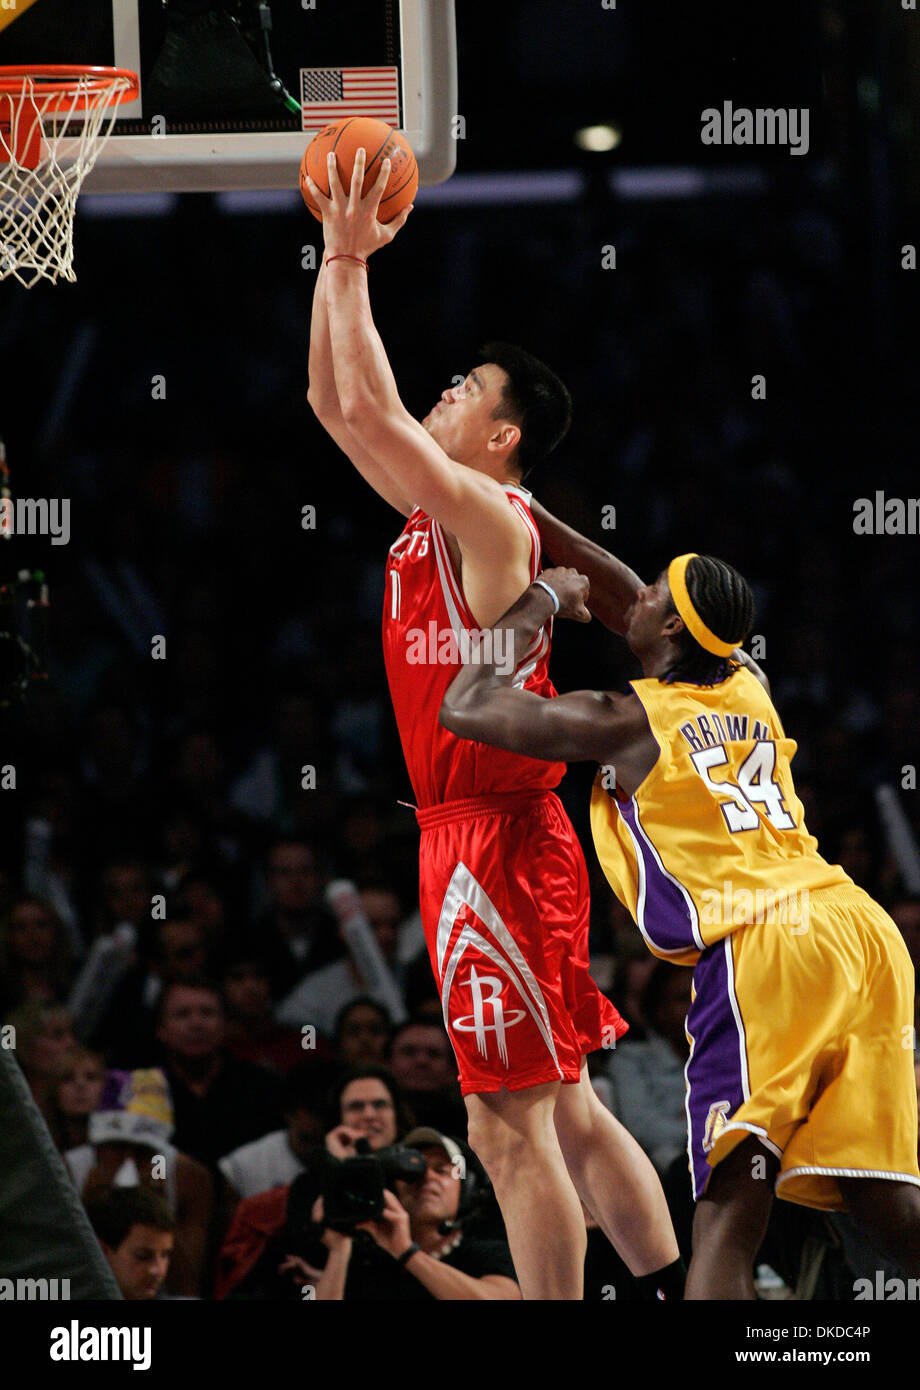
(468, 503)
(482, 704)
(613, 585)
(324, 399)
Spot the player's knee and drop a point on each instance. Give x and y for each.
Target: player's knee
(500, 1149)
(730, 1222)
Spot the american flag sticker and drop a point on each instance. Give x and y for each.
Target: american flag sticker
(328, 94)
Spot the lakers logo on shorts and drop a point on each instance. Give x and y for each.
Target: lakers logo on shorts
(715, 1123)
(476, 1021)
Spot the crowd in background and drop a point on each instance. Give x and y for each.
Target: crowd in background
(180, 810)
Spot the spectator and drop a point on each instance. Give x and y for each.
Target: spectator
(369, 1106)
(422, 1061)
(43, 1035)
(220, 1102)
(182, 843)
(35, 955)
(648, 1076)
(136, 1233)
(419, 1249)
(320, 996)
(278, 1158)
(253, 1035)
(128, 1145)
(126, 892)
(296, 934)
(271, 783)
(633, 971)
(362, 1032)
(176, 950)
(77, 1091)
(365, 1103)
(199, 897)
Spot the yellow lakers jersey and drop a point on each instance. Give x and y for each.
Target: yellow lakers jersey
(714, 838)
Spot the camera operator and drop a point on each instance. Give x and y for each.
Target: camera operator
(419, 1248)
(365, 1105)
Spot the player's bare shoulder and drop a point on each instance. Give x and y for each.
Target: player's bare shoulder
(627, 739)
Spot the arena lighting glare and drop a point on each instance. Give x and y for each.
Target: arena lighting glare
(598, 139)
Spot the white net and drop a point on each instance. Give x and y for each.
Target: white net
(61, 134)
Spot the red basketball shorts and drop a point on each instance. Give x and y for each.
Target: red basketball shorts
(505, 903)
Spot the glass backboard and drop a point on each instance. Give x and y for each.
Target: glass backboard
(231, 90)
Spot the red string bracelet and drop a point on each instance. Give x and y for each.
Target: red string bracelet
(344, 256)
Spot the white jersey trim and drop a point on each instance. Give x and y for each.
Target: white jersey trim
(465, 890)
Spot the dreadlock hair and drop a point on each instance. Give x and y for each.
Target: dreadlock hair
(723, 599)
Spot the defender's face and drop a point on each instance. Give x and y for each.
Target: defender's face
(648, 614)
(462, 421)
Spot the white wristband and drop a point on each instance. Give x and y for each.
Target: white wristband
(551, 593)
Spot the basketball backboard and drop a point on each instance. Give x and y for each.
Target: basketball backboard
(209, 117)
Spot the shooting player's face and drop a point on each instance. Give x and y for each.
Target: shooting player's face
(463, 421)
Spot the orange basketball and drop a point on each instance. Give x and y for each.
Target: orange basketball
(381, 142)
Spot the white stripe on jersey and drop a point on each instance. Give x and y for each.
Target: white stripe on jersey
(455, 599)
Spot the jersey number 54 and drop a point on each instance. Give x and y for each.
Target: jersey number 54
(753, 788)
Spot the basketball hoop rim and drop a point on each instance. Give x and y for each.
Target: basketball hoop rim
(69, 81)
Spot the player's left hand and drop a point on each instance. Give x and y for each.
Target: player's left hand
(350, 225)
(392, 1232)
(571, 589)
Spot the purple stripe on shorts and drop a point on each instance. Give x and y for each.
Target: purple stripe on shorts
(667, 917)
(715, 1071)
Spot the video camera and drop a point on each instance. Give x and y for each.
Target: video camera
(353, 1189)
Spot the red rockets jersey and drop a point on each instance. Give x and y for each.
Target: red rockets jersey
(426, 623)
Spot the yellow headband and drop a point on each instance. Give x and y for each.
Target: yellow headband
(677, 583)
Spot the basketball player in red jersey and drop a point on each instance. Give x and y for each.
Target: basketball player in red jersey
(503, 883)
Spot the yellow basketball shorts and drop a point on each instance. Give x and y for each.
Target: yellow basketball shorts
(802, 1034)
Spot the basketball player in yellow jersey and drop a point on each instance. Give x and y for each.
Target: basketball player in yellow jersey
(800, 1077)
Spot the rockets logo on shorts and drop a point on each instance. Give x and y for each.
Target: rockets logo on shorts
(505, 904)
(476, 1021)
(489, 947)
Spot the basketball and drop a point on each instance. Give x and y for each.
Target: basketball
(381, 142)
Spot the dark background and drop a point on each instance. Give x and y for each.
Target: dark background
(186, 511)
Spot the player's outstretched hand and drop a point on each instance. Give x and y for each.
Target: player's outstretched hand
(350, 225)
(571, 589)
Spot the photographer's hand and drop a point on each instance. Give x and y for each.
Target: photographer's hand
(302, 1272)
(341, 1141)
(331, 1283)
(392, 1232)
